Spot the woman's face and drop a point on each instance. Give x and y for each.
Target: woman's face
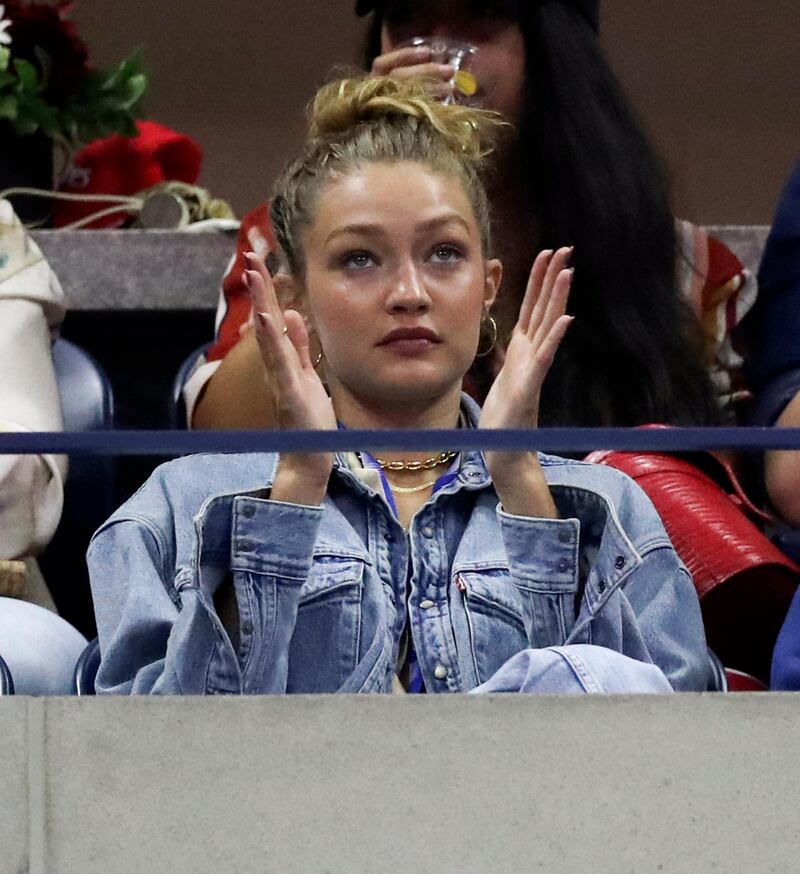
(499, 65)
(395, 284)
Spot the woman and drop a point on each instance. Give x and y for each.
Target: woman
(578, 171)
(39, 647)
(315, 573)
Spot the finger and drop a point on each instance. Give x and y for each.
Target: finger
(533, 289)
(256, 262)
(546, 352)
(262, 291)
(556, 305)
(297, 333)
(408, 56)
(268, 319)
(436, 72)
(557, 263)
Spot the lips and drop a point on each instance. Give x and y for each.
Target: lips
(399, 336)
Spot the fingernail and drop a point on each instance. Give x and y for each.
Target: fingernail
(245, 279)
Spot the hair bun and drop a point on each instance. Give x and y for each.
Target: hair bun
(340, 107)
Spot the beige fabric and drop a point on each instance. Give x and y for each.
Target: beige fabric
(31, 312)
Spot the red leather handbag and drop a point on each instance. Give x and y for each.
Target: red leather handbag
(744, 582)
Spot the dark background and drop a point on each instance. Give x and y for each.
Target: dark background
(716, 82)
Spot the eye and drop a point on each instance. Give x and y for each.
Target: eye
(446, 253)
(357, 260)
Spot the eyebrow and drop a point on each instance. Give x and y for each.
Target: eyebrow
(367, 229)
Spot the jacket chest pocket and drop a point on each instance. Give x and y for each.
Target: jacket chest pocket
(324, 650)
(494, 614)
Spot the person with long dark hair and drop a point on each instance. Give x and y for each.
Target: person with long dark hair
(656, 299)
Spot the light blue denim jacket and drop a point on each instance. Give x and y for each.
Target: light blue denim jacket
(325, 593)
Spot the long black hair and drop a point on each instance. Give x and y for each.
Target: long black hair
(634, 353)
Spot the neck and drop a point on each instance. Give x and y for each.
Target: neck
(362, 413)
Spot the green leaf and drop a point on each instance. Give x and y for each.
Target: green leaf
(8, 108)
(27, 75)
(5, 56)
(104, 102)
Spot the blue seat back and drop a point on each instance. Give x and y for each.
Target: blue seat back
(90, 494)
(86, 668)
(87, 401)
(178, 408)
(6, 680)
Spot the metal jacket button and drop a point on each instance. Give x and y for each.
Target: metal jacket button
(246, 545)
(620, 562)
(426, 604)
(427, 531)
(440, 672)
(248, 511)
(564, 536)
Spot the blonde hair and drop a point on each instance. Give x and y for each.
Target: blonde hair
(373, 119)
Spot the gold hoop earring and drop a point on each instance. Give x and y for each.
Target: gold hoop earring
(493, 326)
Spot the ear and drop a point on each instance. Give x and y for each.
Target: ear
(493, 273)
(290, 293)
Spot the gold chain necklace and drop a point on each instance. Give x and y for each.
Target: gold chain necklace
(427, 464)
(408, 490)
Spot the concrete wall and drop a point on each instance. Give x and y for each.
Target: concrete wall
(716, 82)
(341, 784)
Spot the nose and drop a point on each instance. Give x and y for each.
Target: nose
(408, 292)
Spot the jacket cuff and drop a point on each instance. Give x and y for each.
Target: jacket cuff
(541, 551)
(273, 537)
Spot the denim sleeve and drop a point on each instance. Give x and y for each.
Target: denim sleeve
(575, 670)
(655, 617)
(543, 552)
(662, 598)
(271, 555)
(154, 639)
(159, 631)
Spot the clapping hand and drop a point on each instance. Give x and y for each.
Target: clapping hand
(513, 401)
(301, 401)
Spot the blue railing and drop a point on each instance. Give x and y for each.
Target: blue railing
(570, 440)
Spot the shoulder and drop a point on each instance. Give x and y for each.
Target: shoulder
(178, 489)
(586, 484)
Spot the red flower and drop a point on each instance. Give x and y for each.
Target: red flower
(47, 28)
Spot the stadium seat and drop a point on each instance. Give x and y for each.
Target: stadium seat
(86, 669)
(178, 409)
(87, 403)
(6, 681)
